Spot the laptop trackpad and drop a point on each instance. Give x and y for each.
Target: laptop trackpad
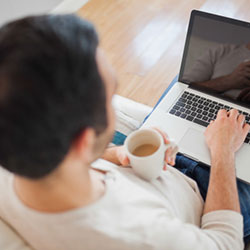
(193, 143)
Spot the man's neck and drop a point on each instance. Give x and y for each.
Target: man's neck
(73, 187)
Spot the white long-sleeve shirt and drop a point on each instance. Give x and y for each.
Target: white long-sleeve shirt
(132, 214)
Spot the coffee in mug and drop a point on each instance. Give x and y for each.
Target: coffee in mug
(146, 151)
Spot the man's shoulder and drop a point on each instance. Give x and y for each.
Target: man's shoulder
(5, 194)
(4, 174)
(5, 180)
(224, 49)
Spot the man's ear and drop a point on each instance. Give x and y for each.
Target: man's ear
(83, 145)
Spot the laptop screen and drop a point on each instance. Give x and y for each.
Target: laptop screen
(216, 57)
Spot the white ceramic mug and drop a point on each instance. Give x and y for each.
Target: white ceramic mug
(148, 167)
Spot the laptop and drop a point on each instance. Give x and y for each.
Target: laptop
(214, 74)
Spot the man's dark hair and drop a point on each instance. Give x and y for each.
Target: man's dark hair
(50, 91)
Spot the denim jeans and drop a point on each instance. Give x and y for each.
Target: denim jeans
(200, 173)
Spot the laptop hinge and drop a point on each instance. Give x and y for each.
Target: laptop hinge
(200, 163)
(191, 157)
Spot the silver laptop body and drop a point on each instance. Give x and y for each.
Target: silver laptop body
(215, 46)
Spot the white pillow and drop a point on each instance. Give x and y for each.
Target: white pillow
(10, 240)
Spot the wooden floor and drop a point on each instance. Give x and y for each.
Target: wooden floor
(144, 39)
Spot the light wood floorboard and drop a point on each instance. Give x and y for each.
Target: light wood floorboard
(144, 39)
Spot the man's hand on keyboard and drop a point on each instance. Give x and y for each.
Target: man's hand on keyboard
(226, 133)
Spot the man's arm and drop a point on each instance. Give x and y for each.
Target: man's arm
(224, 137)
(222, 191)
(220, 84)
(112, 154)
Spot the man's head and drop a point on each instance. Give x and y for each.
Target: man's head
(51, 91)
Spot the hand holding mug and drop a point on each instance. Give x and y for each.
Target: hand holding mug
(170, 153)
(148, 151)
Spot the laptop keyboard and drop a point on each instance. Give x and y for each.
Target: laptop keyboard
(200, 110)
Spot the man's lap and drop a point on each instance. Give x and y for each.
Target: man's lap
(200, 173)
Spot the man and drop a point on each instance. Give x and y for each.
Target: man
(56, 119)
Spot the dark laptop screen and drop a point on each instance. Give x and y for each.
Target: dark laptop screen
(216, 57)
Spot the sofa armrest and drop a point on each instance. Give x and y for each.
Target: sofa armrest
(129, 117)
